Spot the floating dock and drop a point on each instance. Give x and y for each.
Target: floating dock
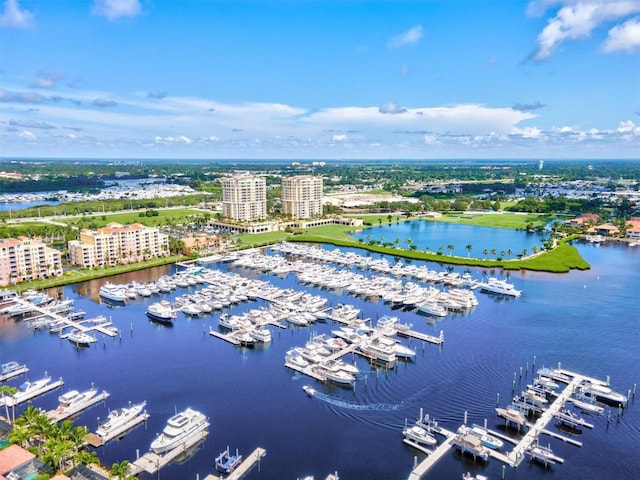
(72, 323)
(151, 462)
(530, 439)
(244, 468)
(96, 440)
(58, 415)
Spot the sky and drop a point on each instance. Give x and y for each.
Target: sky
(320, 79)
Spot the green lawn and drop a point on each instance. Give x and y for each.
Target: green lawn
(176, 215)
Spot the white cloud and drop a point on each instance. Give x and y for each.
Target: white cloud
(624, 37)
(27, 135)
(14, 17)
(411, 36)
(576, 20)
(392, 108)
(47, 79)
(339, 137)
(114, 9)
(527, 132)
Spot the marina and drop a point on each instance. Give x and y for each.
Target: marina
(242, 470)
(374, 410)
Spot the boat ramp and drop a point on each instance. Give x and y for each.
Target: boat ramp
(60, 414)
(244, 468)
(527, 444)
(151, 462)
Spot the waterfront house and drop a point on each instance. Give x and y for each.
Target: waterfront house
(583, 220)
(633, 227)
(16, 462)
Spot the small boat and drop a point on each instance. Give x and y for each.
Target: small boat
(468, 476)
(179, 429)
(118, 418)
(604, 394)
(543, 455)
(512, 415)
(485, 437)
(309, 390)
(502, 287)
(419, 435)
(587, 406)
(472, 445)
(161, 312)
(226, 462)
(81, 339)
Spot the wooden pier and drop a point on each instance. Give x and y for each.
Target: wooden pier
(244, 468)
(406, 332)
(12, 402)
(58, 414)
(151, 462)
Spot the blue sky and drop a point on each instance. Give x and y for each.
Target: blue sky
(325, 79)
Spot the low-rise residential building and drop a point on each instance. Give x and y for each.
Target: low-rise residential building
(117, 243)
(23, 259)
(633, 227)
(583, 220)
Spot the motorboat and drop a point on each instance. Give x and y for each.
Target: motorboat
(337, 375)
(543, 454)
(179, 429)
(118, 418)
(309, 390)
(468, 476)
(113, 293)
(502, 287)
(261, 334)
(471, 444)
(244, 338)
(81, 339)
(604, 394)
(294, 359)
(485, 437)
(75, 400)
(419, 435)
(29, 389)
(226, 462)
(512, 415)
(432, 308)
(162, 312)
(587, 406)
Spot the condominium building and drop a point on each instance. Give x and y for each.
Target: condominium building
(244, 197)
(117, 243)
(23, 259)
(302, 196)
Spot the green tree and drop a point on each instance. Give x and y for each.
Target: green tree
(451, 248)
(469, 247)
(120, 471)
(6, 390)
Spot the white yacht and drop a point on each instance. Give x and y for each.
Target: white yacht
(74, 400)
(28, 389)
(81, 339)
(161, 311)
(118, 418)
(113, 293)
(179, 429)
(495, 285)
(419, 435)
(485, 437)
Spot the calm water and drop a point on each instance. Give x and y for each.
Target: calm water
(589, 321)
(434, 235)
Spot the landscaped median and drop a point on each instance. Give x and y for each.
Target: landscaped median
(560, 259)
(82, 275)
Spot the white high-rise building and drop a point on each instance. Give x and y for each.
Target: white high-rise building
(244, 197)
(302, 196)
(23, 259)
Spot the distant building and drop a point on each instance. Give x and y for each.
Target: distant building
(633, 227)
(302, 196)
(117, 243)
(244, 197)
(23, 259)
(584, 219)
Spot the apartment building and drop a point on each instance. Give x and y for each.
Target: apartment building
(117, 243)
(244, 197)
(23, 259)
(302, 196)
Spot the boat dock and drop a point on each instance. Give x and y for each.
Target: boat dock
(244, 468)
(19, 370)
(58, 415)
(12, 402)
(61, 319)
(96, 440)
(403, 331)
(151, 462)
(530, 439)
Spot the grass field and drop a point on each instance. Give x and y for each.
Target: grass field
(515, 221)
(174, 215)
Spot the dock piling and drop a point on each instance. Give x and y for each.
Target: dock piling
(534, 363)
(504, 467)
(498, 399)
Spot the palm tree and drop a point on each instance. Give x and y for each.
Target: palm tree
(9, 391)
(451, 248)
(524, 252)
(486, 252)
(493, 252)
(389, 217)
(469, 247)
(509, 252)
(19, 435)
(502, 253)
(85, 457)
(409, 242)
(397, 242)
(120, 470)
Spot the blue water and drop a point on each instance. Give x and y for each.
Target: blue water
(434, 235)
(587, 320)
(23, 205)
